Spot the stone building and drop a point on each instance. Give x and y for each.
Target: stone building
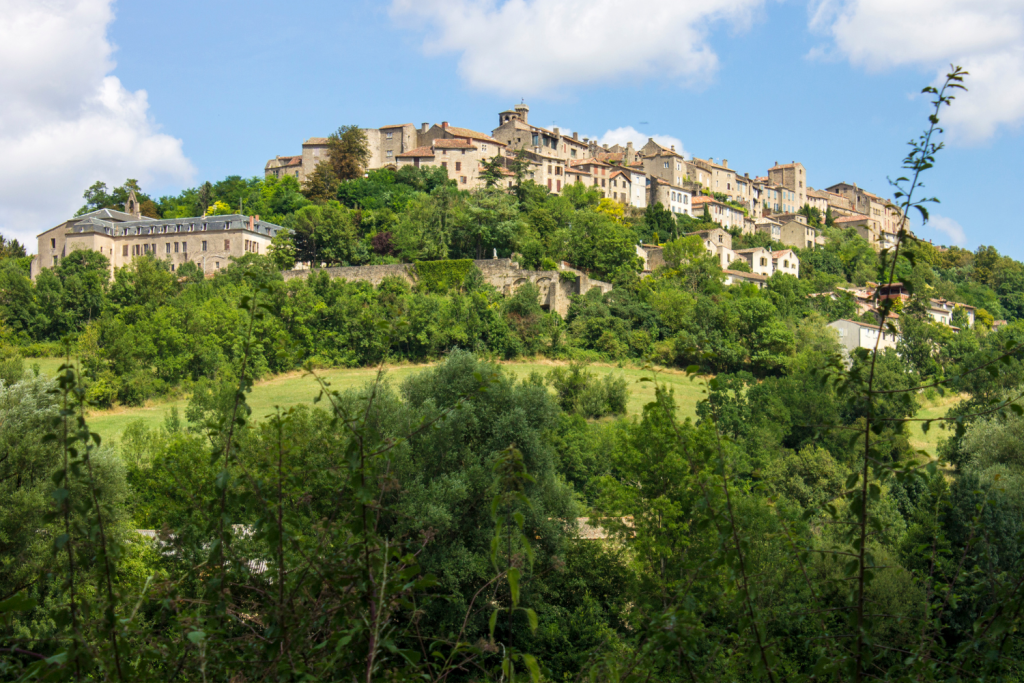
(758, 258)
(663, 163)
(862, 224)
(786, 261)
(817, 199)
(792, 177)
(857, 335)
(211, 242)
(769, 227)
(726, 215)
(718, 242)
(461, 157)
(515, 130)
(676, 198)
(794, 233)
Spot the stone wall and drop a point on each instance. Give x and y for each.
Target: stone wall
(503, 274)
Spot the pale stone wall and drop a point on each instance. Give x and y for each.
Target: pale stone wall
(793, 177)
(503, 274)
(796, 234)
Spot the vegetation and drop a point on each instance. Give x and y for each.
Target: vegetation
(431, 527)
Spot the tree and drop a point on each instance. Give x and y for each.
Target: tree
(324, 234)
(493, 170)
(205, 197)
(348, 152)
(322, 184)
(959, 318)
(740, 265)
(659, 222)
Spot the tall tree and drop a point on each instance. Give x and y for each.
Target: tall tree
(348, 151)
(322, 184)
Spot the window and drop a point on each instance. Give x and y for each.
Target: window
(389, 154)
(764, 261)
(444, 165)
(204, 227)
(666, 164)
(549, 168)
(124, 251)
(549, 184)
(602, 182)
(483, 147)
(204, 245)
(679, 166)
(227, 245)
(558, 186)
(172, 267)
(462, 179)
(785, 264)
(217, 265)
(458, 165)
(184, 247)
(175, 247)
(389, 135)
(168, 248)
(53, 243)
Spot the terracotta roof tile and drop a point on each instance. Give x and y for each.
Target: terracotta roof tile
(418, 152)
(445, 143)
(472, 134)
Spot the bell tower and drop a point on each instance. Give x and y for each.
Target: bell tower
(131, 206)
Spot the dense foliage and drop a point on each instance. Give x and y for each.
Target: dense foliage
(468, 525)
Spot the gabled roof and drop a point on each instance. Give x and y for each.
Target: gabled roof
(746, 276)
(445, 143)
(472, 134)
(418, 152)
(107, 214)
(851, 219)
(315, 141)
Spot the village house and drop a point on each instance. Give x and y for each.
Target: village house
(793, 178)
(816, 199)
(770, 227)
(461, 157)
(857, 335)
(718, 242)
(663, 163)
(211, 242)
(736, 277)
(676, 198)
(758, 258)
(785, 261)
(724, 214)
(795, 233)
(515, 130)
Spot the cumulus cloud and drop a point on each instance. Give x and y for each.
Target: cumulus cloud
(948, 227)
(987, 38)
(66, 121)
(528, 47)
(620, 136)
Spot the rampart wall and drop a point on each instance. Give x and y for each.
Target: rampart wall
(504, 274)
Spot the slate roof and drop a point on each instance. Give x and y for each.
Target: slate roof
(169, 226)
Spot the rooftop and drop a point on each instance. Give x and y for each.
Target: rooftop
(418, 152)
(444, 143)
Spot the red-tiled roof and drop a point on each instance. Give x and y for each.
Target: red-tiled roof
(851, 219)
(418, 152)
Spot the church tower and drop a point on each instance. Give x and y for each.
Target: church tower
(131, 206)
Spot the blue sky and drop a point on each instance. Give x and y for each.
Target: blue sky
(177, 93)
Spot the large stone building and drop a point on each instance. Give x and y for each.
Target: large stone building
(792, 177)
(515, 130)
(211, 242)
(726, 215)
(461, 157)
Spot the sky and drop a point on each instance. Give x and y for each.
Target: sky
(176, 93)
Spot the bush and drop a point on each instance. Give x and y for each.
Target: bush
(579, 391)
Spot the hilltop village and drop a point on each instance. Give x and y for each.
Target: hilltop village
(780, 206)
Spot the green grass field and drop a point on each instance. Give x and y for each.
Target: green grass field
(296, 388)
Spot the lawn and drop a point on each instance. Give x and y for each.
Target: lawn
(929, 442)
(296, 388)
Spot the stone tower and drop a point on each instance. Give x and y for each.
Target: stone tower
(523, 111)
(132, 207)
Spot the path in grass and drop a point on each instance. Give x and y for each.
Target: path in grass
(296, 388)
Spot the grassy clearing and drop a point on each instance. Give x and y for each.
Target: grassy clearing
(295, 388)
(931, 409)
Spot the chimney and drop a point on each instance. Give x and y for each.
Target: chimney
(557, 132)
(725, 162)
(424, 127)
(586, 139)
(575, 135)
(444, 125)
(251, 221)
(673, 148)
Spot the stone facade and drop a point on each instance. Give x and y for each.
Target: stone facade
(504, 274)
(676, 198)
(718, 242)
(724, 214)
(211, 242)
(798, 234)
(792, 177)
(758, 258)
(461, 157)
(857, 335)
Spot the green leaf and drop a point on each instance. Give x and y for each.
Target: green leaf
(531, 616)
(196, 637)
(19, 602)
(493, 622)
(531, 664)
(513, 583)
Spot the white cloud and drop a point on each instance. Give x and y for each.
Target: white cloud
(948, 227)
(620, 136)
(985, 37)
(65, 122)
(528, 47)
